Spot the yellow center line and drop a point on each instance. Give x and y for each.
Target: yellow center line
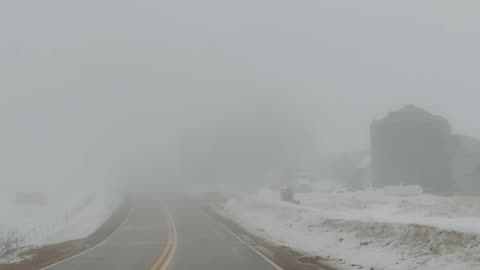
(173, 247)
(167, 254)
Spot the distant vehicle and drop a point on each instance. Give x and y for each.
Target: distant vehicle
(286, 194)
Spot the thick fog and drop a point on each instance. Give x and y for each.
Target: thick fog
(218, 91)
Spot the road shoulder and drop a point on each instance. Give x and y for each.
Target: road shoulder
(45, 256)
(283, 256)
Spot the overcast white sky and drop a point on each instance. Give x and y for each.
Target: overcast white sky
(74, 72)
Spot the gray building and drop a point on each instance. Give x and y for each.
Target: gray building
(466, 164)
(412, 147)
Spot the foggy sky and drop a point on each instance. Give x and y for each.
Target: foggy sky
(85, 82)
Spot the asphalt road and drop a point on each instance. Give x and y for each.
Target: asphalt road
(176, 235)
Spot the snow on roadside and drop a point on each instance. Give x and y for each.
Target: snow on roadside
(368, 229)
(68, 215)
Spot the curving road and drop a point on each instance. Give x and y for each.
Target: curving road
(177, 237)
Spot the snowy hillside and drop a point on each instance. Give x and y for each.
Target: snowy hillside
(66, 216)
(359, 230)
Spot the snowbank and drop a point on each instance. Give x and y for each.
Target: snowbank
(68, 215)
(367, 229)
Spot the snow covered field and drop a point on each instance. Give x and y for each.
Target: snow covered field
(69, 214)
(382, 229)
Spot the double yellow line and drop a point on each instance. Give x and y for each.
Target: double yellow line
(169, 251)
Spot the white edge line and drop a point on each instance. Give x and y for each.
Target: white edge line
(94, 247)
(270, 261)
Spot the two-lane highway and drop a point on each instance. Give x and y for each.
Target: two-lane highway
(176, 235)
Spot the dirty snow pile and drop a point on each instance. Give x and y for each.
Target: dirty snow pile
(66, 215)
(391, 229)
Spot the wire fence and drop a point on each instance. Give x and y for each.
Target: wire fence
(33, 232)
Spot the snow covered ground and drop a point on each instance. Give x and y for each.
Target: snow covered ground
(382, 229)
(69, 214)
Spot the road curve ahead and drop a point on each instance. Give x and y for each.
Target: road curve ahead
(136, 245)
(176, 235)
